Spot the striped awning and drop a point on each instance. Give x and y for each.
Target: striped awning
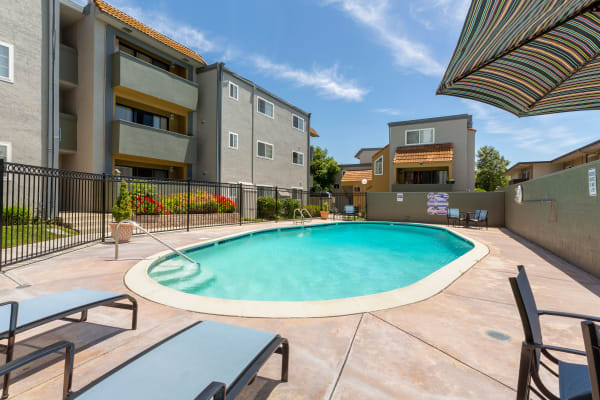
(528, 57)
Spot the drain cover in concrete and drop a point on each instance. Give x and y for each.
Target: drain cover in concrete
(498, 335)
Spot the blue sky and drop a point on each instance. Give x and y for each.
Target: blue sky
(356, 65)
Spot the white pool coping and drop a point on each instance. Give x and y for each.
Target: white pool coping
(138, 281)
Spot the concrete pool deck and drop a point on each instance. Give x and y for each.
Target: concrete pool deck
(437, 348)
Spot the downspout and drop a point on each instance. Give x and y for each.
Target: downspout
(53, 133)
(252, 156)
(308, 153)
(219, 112)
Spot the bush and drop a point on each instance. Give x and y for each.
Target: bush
(15, 215)
(288, 206)
(141, 188)
(146, 205)
(122, 208)
(266, 207)
(226, 205)
(200, 202)
(313, 209)
(480, 190)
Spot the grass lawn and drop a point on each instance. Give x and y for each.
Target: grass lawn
(14, 235)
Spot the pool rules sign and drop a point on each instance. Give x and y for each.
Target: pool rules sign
(592, 183)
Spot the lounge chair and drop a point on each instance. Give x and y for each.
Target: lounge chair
(453, 216)
(349, 212)
(28, 314)
(573, 378)
(480, 218)
(591, 339)
(203, 361)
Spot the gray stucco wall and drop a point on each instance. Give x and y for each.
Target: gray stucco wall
(449, 131)
(21, 102)
(384, 207)
(206, 165)
(574, 233)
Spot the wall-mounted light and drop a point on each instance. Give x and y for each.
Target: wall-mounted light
(171, 169)
(172, 117)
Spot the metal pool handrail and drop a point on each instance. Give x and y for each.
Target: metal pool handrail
(307, 212)
(152, 236)
(301, 216)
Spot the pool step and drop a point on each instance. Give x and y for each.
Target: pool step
(173, 267)
(182, 275)
(205, 276)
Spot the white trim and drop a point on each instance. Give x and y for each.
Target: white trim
(266, 101)
(299, 117)
(237, 91)
(11, 63)
(8, 150)
(237, 141)
(419, 130)
(298, 152)
(375, 165)
(265, 157)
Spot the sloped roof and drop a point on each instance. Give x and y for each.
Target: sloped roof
(134, 23)
(353, 176)
(424, 153)
(313, 133)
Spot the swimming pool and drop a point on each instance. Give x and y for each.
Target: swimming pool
(312, 263)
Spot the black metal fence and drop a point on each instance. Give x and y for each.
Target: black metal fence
(44, 210)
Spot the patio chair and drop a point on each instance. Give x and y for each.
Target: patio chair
(591, 339)
(349, 212)
(31, 313)
(480, 218)
(203, 361)
(453, 216)
(573, 379)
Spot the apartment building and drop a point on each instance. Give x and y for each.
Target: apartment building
(260, 138)
(433, 154)
(116, 93)
(526, 170)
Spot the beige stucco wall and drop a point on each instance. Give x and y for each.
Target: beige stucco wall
(574, 233)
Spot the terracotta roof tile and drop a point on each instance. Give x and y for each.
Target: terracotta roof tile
(424, 153)
(313, 133)
(134, 23)
(353, 176)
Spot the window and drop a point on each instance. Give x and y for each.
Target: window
(124, 48)
(357, 188)
(233, 91)
(265, 150)
(141, 172)
(379, 166)
(420, 136)
(336, 185)
(298, 123)
(125, 113)
(233, 140)
(265, 107)
(6, 62)
(297, 158)
(6, 151)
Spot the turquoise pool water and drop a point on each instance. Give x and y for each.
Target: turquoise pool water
(321, 262)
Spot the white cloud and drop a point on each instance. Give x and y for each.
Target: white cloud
(376, 15)
(182, 33)
(543, 135)
(327, 81)
(436, 14)
(390, 111)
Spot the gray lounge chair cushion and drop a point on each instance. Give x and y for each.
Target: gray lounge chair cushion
(183, 366)
(42, 307)
(574, 381)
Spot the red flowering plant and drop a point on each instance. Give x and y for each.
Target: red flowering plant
(226, 205)
(146, 205)
(199, 202)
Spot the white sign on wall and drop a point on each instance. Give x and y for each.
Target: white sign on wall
(519, 194)
(399, 196)
(592, 184)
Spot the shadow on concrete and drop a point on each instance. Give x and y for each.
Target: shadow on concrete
(260, 389)
(582, 277)
(82, 334)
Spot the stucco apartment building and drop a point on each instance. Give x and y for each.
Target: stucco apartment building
(526, 170)
(433, 154)
(116, 93)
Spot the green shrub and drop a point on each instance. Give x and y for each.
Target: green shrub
(266, 207)
(141, 188)
(15, 215)
(288, 206)
(208, 207)
(122, 208)
(313, 209)
(325, 207)
(480, 190)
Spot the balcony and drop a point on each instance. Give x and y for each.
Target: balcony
(134, 74)
(144, 141)
(424, 187)
(68, 72)
(68, 133)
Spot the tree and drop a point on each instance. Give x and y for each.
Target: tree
(323, 170)
(490, 169)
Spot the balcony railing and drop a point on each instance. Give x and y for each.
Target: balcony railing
(68, 70)
(68, 132)
(132, 73)
(144, 141)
